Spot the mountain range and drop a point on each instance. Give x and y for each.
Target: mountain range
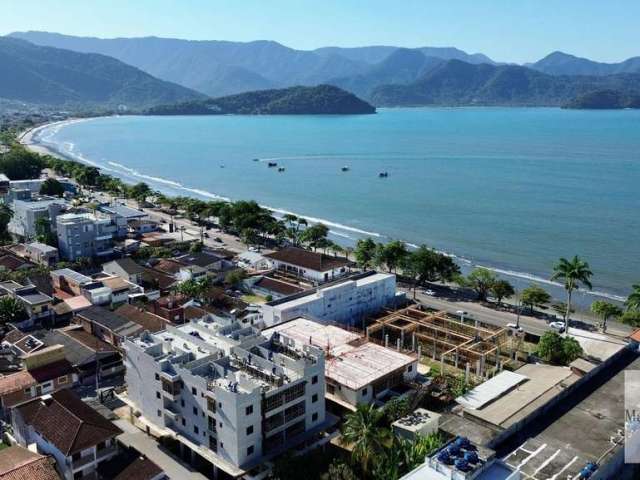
(161, 71)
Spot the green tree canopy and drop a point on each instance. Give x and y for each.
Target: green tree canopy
(11, 310)
(315, 236)
(502, 289)
(631, 317)
(605, 310)
(362, 430)
(558, 350)
(480, 280)
(573, 273)
(365, 253)
(633, 300)
(52, 187)
(21, 164)
(391, 254)
(535, 296)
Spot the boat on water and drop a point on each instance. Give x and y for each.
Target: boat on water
(383, 174)
(256, 159)
(345, 168)
(272, 164)
(281, 169)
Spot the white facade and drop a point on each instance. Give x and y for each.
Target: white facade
(227, 388)
(346, 302)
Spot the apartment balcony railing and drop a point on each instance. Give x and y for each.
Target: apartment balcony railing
(105, 452)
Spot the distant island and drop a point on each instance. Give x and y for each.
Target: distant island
(322, 99)
(604, 100)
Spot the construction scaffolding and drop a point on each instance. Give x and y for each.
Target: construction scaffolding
(476, 347)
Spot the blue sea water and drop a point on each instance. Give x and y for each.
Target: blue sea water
(509, 188)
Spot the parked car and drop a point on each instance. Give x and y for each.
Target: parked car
(557, 326)
(429, 292)
(515, 327)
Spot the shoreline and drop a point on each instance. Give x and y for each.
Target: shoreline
(31, 141)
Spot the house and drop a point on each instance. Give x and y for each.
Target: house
(170, 307)
(313, 266)
(147, 320)
(19, 463)
(142, 226)
(13, 258)
(346, 301)
(21, 343)
(63, 426)
(153, 279)
(42, 253)
(107, 325)
(84, 235)
(121, 289)
(253, 260)
(37, 305)
(66, 309)
(129, 464)
(69, 281)
(273, 287)
(45, 371)
(124, 268)
(94, 360)
(203, 263)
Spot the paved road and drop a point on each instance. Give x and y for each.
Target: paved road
(532, 325)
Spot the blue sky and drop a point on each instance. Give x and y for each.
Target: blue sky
(506, 30)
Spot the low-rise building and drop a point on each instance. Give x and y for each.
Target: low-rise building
(204, 263)
(45, 371)
(120, 215)
(125, 268)
(356, 370)
(19, 463)
(107, 325)
(315, 267)
(347, 301)
(37, 305)
(63, 426)
(225, 392)
(84, 235)
(69, 281)
(142, 226)
(42, 254)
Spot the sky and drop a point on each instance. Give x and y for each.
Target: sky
(506, 30)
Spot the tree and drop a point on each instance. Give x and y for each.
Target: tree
(294, 226)
(5, 217)
(52, 187)
(535, 296)
(139, 192)
(605, 310)
(559, 350)
(633, 300)
(426, 265)
(193, 288)
(21, 164)
(501, 289)
(631, 317)
(316, 235)
(481, 280)
(11, 310)
(43, 232)
(573, 273)
(391, 254)
(365, 253)
(362, 430)
(235, 278)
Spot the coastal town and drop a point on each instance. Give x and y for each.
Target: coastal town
(150, 337)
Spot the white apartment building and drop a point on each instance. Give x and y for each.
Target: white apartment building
(345, 301)
(227, 394)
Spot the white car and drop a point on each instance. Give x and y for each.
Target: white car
(515, 327)
(558, 326)
(429, 292)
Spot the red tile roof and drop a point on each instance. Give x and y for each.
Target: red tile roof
(149, 321)
(140, 469)
(18, 463)
(277, 286)
(67, 422)
(635, 335)
(307, 259)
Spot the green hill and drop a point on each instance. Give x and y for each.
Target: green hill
(604, 100)
(52, 76)
(322, 99)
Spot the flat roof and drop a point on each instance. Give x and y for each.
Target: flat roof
(597, 345)
(491, 390)
(122, 210)
(304, 331)
(72, 274)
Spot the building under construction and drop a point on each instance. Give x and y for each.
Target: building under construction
(470, 345)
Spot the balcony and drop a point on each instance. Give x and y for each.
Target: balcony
(106, 452)
(83, 461)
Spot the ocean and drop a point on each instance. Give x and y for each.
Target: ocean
(512, 189)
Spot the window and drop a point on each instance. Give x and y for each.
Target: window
(157, 394)
(249, 429)
(182, 402)
(314, 398)
(159, 413)
(211, 405)
(62, 380)
(249, 410)
(314, 417)
(77, 475)
(250, 450)
(314, 379)
(364, 392)
(184, 422)
(157, 376)
(195, 429)
(194, 391)
(195, 411)
(410, 368)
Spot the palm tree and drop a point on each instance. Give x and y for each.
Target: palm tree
(605, 310)
(574, 272)
(362, 430)
(633, 300)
